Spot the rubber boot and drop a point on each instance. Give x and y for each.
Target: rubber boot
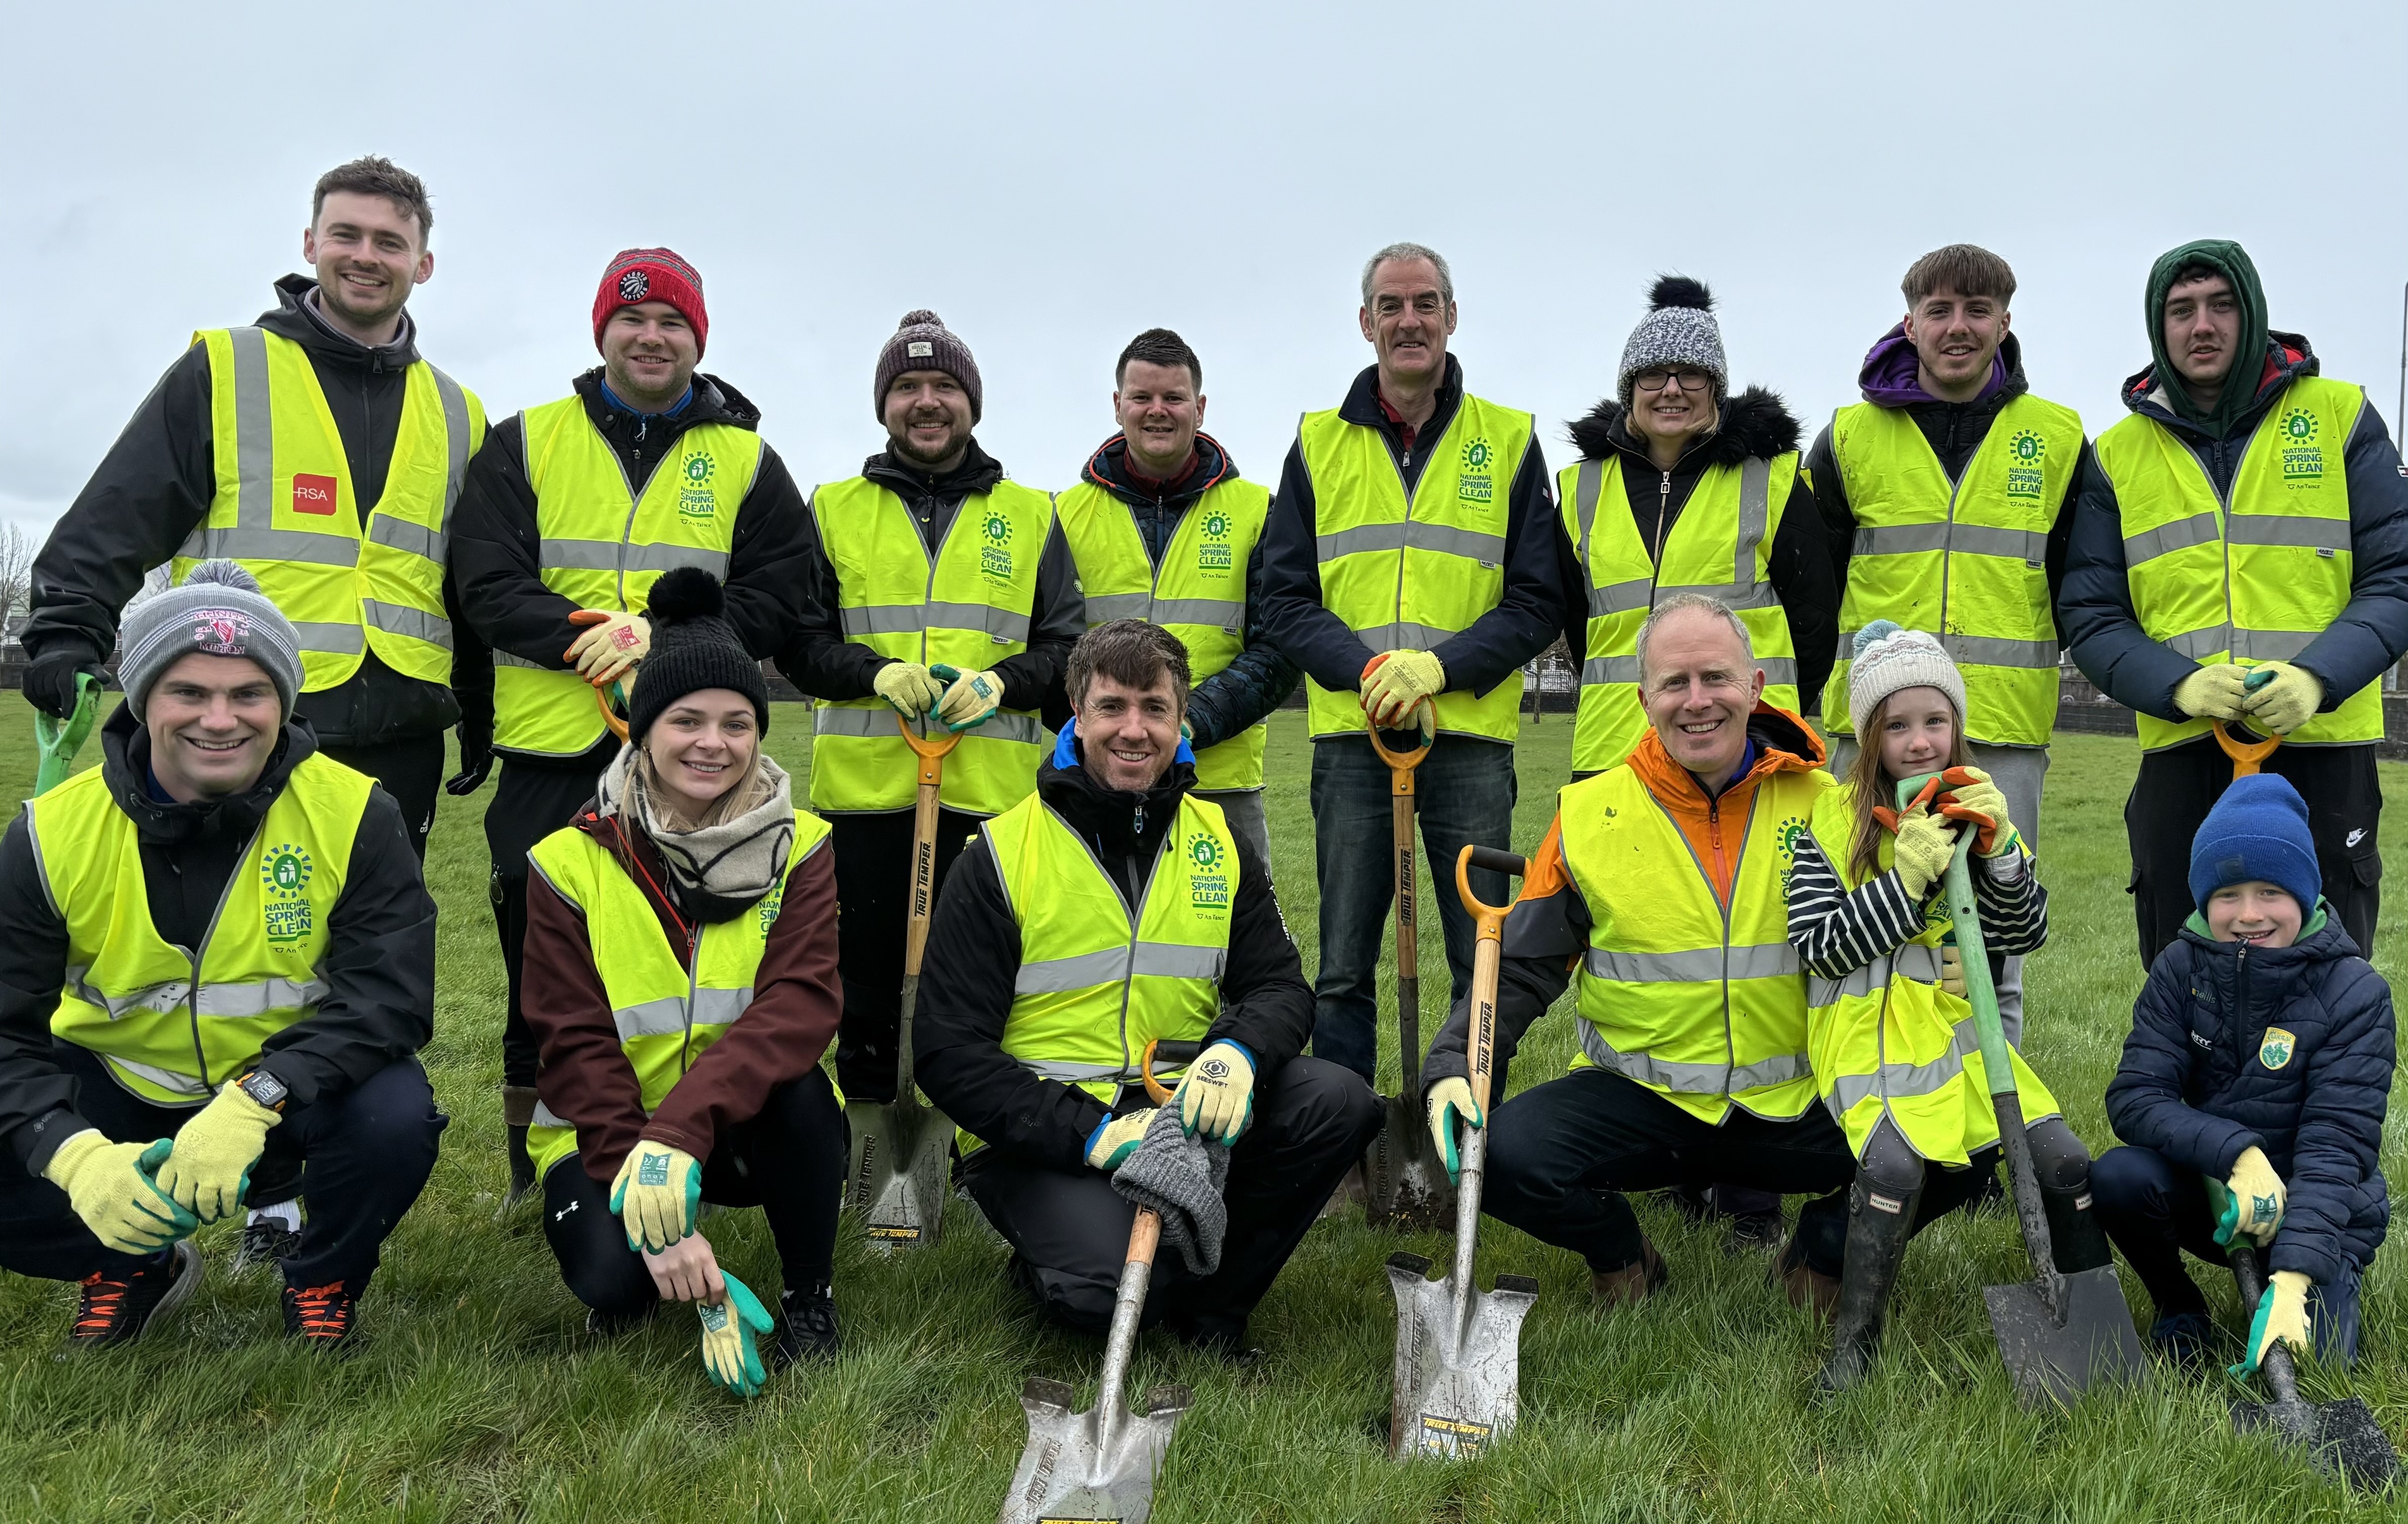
(2075, 1239)
(1880, 1222)
(518, 1114)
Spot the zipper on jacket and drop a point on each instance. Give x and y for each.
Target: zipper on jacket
(693, 982)
(1663, 506)
(1948, 538)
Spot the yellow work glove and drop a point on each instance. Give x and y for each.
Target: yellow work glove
(2255, 1198)
(2287, 701)
(907, 686)
(1449, 1099)
(1116, 1137)
(971, 700)
(1952, 968)
(611, 649)
(109, 1187)
(211, 1167)
(1395, 681)
(2212, 693)
(1217, 1097)
(657, 1195)
(1926, 842)
(2282, 1314)
(1980, 805)
(730, 1327)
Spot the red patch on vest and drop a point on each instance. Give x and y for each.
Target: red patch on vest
(313, 494)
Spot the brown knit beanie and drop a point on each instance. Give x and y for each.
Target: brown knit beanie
(922, 342)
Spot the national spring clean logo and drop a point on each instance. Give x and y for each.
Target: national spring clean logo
(1473, 482)
(285, 871)
(1208, 875)
(995, 556)
(1214, 552)
(2025, 452)
(2303, 458)
(696, 498)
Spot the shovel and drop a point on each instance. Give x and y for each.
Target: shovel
(899, 1146)
(1404, 1180)
(2059, 1334)
(2248, 750)
(1098, 1467)
(2342, 1437)
(1459, 1348)
(58, 741)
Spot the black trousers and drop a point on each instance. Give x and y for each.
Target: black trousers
(1892, 1165)
(532, 800)
(1070, 1229)
(873, 880)
(2177, 786)
(788, 1161)
(361, 1157)
(411, 770)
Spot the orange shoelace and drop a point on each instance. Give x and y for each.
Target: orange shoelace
(321, 1311)
(102, 1298)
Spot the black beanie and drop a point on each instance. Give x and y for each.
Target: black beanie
(693, 648)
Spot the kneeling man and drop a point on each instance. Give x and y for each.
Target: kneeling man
(1109, 909)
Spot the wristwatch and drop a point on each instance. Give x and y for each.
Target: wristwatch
(263, 1088)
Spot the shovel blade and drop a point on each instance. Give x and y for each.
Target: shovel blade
(897, 1180)
(1404, 1179)
(1452, 1402)
(1069, 1472)
(2342, 1438)
(2053, 1363)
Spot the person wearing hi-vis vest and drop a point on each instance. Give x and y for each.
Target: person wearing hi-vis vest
(318, 448)
(216, 968)
(2241, 556)
(930, 558)
(1161, 527)
(1409, 568)
(571, 511)
(1656, 897)
(1113, 909)
(680, 976)
(1948, 493)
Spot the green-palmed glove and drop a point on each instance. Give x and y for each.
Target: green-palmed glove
(110, 1188)
(1926, 842)
(657, 1195)
(211, 1167)
(2212, 693)
(730, 1327)
(1449, 1099)
(2282, 1314)
(1116, 1137)
(908, 686)
(2254, 1200)
(1217, 1097)
(970, 700)
(2287, 701)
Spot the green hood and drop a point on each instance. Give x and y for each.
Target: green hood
(2232, 260)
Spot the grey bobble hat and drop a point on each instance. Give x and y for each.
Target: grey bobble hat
(1678, 330)
(217, 610)
(1889, 659)
(922, 342)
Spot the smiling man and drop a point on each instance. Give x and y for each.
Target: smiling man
(1660, 894)
(1112, 908)
(218, 936)
(2247, 521)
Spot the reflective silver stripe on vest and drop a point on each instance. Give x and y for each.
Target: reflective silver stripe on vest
(2166, 538)
(1103, 608)
(1609, 669)
(503, 658)
(667, 1016)
(1693, 1079)
(1108, 965)
(2283, 529)
(402, 535)
(616, 555)
(1916, 961)
(2026, 545)
(254, 436)
(233, 1001)
(336, 640)
(1410, 534)
(1619, 597)
(455, 441)
(1698, 966)
(1903, 1080)
(916, 618)
(2200, 644)
(400, 619)
(877, 723)
(300, 546)
(546, 1118)
(1079, 1073)
(1992, 650)
(166, 1079)
(2271, 645)
(1403, 636)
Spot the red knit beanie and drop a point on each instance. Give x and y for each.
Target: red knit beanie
(652, 275)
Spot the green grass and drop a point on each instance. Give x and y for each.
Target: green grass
(478, 1395)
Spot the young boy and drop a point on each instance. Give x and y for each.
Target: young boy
(2261, 1057)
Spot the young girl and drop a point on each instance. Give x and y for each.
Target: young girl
(1889, 1031)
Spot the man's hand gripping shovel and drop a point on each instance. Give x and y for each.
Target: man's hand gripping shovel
(1404, 1180)
(2248, 750)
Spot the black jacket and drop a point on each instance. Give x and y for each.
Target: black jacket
(2371, 633)
(1954, 431)
(1259, 679)
(974, 956)
(1527, 611)
(380, 963)
(2199, 1083)
(155, 485)
(494, 538)
(818, 658)
(1755, 423)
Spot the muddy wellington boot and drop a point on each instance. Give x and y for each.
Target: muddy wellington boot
(1880, 1222)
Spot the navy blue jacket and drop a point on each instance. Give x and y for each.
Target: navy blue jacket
(1528, 612)
(2095, 606)
(2201, 1081)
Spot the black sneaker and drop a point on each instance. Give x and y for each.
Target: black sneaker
(321, 1317)
(265, 1241)
(118, 1310)
(1753, 1232)
(806, 1330)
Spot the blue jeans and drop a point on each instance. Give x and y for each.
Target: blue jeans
(1464, 791)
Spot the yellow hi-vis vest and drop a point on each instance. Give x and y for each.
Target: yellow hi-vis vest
(1704, 1006)
(1887, 1041)
(667, 1016)
(970, 607)
(1966, 560)
(284, 508)
(1100, 980)
(1721, 546)
(602, 546)
(2257, 575)
(1199, 594)
(1408, 575)
(173, 1024)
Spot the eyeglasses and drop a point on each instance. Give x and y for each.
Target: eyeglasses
(1690, 377)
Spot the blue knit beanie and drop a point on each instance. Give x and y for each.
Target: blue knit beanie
(2257, 830)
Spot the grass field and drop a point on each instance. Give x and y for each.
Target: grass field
(478, 1395)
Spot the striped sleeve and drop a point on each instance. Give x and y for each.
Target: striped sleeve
(2012, 902)
(1837, 932)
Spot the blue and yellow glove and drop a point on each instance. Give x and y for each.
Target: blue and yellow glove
(2282, 1314)
(970, 700)
(730, 1327)
(1116, 1137)
(2253, 1201)
(1217, 1097)
(1449, 1099)
(657, 1195)
(209, 1167)
(110, 1187)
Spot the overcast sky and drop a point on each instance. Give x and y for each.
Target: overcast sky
(1052, 179)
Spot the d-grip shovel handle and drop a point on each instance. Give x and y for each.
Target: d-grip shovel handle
(931, 748)
(1400, 763)
(1178, 1053)
(2247, 750)
(1487, 952)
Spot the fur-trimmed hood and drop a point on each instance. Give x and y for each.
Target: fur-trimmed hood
(1756, 423)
